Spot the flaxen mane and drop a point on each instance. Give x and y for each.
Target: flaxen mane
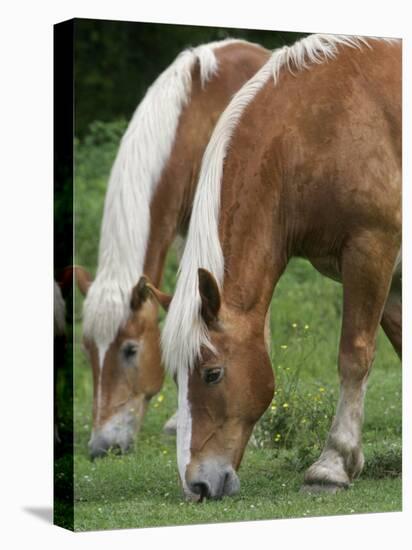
(185, 332)
(143, 153)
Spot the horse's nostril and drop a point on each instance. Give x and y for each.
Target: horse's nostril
(97, 453)
(201, 489)
(98, 447)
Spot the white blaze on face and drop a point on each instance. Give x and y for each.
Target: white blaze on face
(101, 352)
(184, 427)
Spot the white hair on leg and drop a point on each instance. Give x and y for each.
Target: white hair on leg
(342, 458)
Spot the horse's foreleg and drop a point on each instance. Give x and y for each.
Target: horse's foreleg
(267, 332)
(392, 322)
(367, 266)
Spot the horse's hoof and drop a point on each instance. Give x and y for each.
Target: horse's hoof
(169, 430)
(171, 425)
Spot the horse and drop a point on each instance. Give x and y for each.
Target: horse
(148, 202)
(305, 161)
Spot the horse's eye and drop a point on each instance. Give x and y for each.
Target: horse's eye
(212, 376)
(130, 350)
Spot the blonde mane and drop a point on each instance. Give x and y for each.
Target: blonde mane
(184, 332)
(142, 156)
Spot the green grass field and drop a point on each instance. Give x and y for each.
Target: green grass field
(141, 489)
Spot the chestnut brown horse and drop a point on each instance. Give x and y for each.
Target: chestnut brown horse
(305, 161)
(148, 202)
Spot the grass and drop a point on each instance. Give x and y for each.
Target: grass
(141, 489)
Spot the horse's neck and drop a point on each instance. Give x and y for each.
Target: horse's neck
(254, 252)
(171, 204)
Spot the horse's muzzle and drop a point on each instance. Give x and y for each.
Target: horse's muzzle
(212, 481)
(100, 444)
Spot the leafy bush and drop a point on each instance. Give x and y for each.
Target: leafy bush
(94, 156)
(383, 460)
(300, 414)
(296, 423)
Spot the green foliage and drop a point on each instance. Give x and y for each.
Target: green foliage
(303, 349)
(383, 459)
(116, 61)
(94, 156)
(299, 416)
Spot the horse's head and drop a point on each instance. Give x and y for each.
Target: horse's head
(127, 373)
(222, 397)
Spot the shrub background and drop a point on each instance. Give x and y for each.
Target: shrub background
(116, 61)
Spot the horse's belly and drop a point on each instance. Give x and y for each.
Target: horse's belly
(327, 266)
(397, 275)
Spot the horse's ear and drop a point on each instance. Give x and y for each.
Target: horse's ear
(65, 280)
(83, 279)
(144, 290)
(210, 296)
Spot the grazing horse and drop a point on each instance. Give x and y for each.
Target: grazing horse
(148, 202)
(305, 161)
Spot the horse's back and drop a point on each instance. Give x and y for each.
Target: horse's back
(321, 150)
(340, 99)
(330, 137)
(241, 59)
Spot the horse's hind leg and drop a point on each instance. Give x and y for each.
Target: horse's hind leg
(392, 314)
(367, 266)
(170, 426)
